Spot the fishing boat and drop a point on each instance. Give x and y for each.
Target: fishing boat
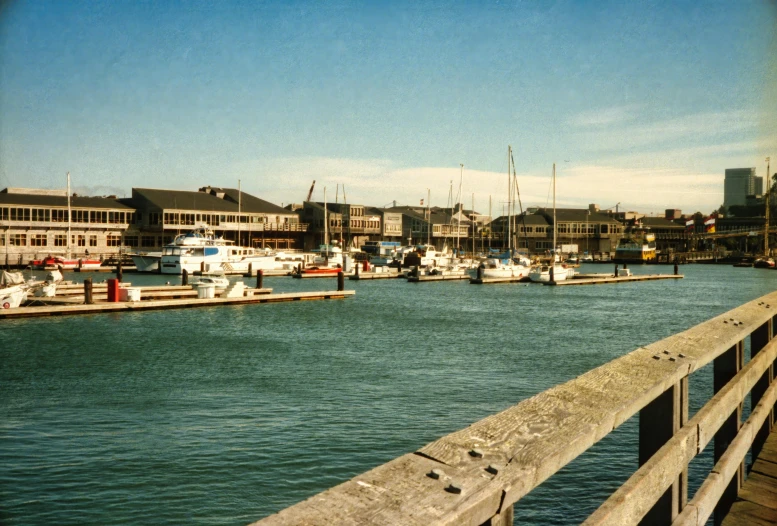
(554, 270)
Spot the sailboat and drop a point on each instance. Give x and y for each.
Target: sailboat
(67, 263)
(505, 267)
(542, 273)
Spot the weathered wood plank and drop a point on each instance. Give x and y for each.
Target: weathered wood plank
(706, 499)
(744, 513)
(764, 467)
(760, 489)
(629, 503)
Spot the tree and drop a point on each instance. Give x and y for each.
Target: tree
(722, 210)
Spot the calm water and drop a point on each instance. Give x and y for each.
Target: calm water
(225, 415)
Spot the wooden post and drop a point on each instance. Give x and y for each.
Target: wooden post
(356, 268)
(552, 276)
(185, 277)
(80, 264)
(758, 340)
(676, 268)
(88, 298)
(250, 269)
(480, 271)
(725, 367)
(658, 422)
(616, 271)
(119, 273)
(260, 279)
(340, 281)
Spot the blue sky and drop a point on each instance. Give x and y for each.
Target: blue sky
(648, 102)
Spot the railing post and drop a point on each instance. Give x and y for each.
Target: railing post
(505, 518)
(758, 340)
(725, 367)
(658, 422)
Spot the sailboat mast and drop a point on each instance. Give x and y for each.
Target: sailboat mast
(766, 199)
(428, 216)
(68, 216)
(458, 220)
(509, 200)
(326, 221)
(239, 211)
(554, 213)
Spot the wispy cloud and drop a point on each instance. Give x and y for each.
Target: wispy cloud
(605, 116)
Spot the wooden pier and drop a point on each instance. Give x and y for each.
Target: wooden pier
(143, 305)
(476, 475)
(613, 279)
(756, 503)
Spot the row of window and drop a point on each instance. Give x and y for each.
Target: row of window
(186, 219)
(60, 240)
(59, 215)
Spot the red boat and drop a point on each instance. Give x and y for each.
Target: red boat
(54, 262)
(319, 271)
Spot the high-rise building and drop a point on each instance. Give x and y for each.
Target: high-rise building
(738, 184)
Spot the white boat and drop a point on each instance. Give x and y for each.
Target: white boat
(146, 261)
(496, 268)
(13, 289)
(542, 273)
(328, 256)
(220, 281)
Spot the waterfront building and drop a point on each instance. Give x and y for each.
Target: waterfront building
(669, 235)
(740, 183)
(234, 215)
(433, 226)
(34, 224)
(592, 231)
(347, 224)
(391, 223)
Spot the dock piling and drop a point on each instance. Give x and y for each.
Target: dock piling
(616, 271)
(480, 271)
(340, 281)
(260, 279)
(676, 268)
(88, 298)
(119, 273)
(552, 275)
(250, 269)
(185, 277)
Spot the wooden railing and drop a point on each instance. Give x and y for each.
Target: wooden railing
(474, 476)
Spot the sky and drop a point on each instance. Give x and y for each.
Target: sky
(640, 104)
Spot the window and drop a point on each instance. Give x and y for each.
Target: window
(60, 240)
(38, 240)
(92, 241)
(59, 216)
(148, 241)
(131, 241)
(3, 214)
(114, 240)
(18, 240)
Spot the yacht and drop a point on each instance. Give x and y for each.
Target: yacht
(201, 250)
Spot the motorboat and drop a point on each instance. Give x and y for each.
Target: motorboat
(498, 268)
(541, 273)
(57, 262)
(219, 281)
(764, 263)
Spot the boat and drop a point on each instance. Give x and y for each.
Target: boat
(554, 270)
(51, 262)
(201, 250)
(764, 263)
(146, 261)
(744, 263)
(220, 281)
(639, 248)
(13, 289)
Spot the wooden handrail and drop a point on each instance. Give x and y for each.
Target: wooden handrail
(476, 474)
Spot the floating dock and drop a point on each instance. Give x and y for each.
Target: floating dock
(375, 275)
(613, 279)
(489, 281)
(437, 277)
(143, 305)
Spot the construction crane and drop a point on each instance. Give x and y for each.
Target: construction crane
(310, 193)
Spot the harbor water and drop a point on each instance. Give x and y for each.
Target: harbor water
(225, 415)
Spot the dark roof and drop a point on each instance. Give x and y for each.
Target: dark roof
(61, 201)
(660, 222)
(252, 204)
(208, 201)
(530, 219)
(183, 200)
(578, 215)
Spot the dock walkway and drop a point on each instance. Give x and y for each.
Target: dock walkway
(757, 500)
(613, 279)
